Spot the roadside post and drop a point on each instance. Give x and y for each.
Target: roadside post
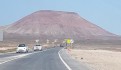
(55, 40)
(53, 44)
(47, 41)
(72, 41)
(64, 43)
(37, 41)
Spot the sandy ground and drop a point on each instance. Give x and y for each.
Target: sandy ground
(98, 59)
(6, 48)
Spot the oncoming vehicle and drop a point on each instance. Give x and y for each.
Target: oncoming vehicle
(22, 48)
(37, 48)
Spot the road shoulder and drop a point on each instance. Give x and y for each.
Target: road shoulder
(73, 64)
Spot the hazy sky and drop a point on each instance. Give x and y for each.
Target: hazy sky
(104, 13)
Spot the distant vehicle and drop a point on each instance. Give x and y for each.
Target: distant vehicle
(37, 48)
(22, 48)
(61, 45)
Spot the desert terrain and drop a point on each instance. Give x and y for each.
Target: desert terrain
(98, 57)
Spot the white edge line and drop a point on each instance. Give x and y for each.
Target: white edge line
(15, 57)
(7, 61)
(20, 57)
(64, 61)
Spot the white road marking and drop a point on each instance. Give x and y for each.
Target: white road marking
(19, 56)
(13, 58)
(64, 61)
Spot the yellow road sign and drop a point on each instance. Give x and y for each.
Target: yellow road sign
(68, 41)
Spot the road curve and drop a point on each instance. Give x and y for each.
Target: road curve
(47, 60)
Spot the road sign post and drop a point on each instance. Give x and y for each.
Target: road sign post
(69, 42)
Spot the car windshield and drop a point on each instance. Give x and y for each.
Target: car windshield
(37, 45)
(21, 45)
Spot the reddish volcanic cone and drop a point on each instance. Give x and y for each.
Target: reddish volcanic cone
(48, 24)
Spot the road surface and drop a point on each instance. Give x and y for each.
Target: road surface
(46, 60)
(2, 55)
(7, 55)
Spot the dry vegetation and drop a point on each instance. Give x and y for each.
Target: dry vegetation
(10, 46)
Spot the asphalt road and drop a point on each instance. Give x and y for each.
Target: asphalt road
(7, 55)
(2, 55)
(46, 60)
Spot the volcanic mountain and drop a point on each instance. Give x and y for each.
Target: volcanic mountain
(47, 24)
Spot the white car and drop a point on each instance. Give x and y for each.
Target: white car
(37, 48)
(22, 48)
